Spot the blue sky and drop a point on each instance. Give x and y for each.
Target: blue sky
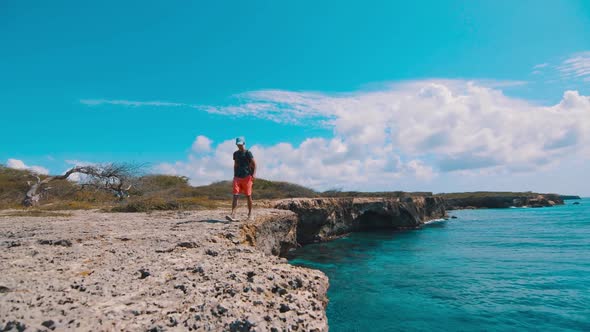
(366, 95)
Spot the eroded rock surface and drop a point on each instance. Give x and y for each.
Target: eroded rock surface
(159, 272)
(273, 233)
(322, 219)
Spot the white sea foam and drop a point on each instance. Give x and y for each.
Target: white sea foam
(434, 221)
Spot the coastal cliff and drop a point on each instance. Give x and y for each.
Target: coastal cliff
(182, 270)
(192, 270)
(322, 219)
(273, 233)
(502, 201)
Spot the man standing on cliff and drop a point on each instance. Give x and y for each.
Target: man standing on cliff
(244, 173)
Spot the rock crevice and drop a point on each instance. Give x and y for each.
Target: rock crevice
(273, 233)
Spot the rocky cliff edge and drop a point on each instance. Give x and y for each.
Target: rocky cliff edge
(322, 219)
(182, 270)
(176, 271)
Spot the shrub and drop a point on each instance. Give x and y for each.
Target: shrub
(147, 204)
(199, 203)
(157, 182)
(13, 186)
(68, 205)
(36, 213)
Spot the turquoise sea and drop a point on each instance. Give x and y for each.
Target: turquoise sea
(518, 269)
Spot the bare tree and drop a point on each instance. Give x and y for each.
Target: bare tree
(114, 177)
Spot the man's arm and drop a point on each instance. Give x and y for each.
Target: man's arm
(253, 167)
(235, 164)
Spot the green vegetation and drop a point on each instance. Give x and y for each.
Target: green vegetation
(395, 194)
(486, 194)
(263, 189)
(149, 193)
(13, 185)
(167, 192)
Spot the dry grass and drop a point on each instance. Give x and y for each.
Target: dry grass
(262, 189)
(147, 204)
(201, 203)
(396, 194)
(148, 193)
(34, 213)
(166, 192)
(69, 205)
(163, 204)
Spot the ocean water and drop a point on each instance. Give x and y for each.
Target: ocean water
(518, 269)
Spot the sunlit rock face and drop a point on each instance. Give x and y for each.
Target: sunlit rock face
(322, 219)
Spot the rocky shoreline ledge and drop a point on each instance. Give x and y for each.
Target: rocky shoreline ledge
(180, 270)
(193, 271)
(323, 219)
(174, 271)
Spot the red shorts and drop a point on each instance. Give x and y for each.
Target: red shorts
(243, 185)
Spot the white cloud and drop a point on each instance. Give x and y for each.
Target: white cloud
(420, 170)
(16, 164)
(415, 130)
(95, 102)
(19, 164)
(576, 66)
(541, 65)
(201, 144)
(204, 169)
(316, 162)
(495, 83)
(75, 162)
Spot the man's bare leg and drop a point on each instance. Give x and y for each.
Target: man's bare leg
(249, 206)
(234, 204)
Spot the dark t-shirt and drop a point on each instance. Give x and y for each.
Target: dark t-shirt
(243, 159)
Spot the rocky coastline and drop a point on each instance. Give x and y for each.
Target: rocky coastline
(564, 197)
(191, 270)
(181, 270)
(506, 201)
(323, 219)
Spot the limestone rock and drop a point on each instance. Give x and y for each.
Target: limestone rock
(161, 271)
(322, 219)
(273, 233)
